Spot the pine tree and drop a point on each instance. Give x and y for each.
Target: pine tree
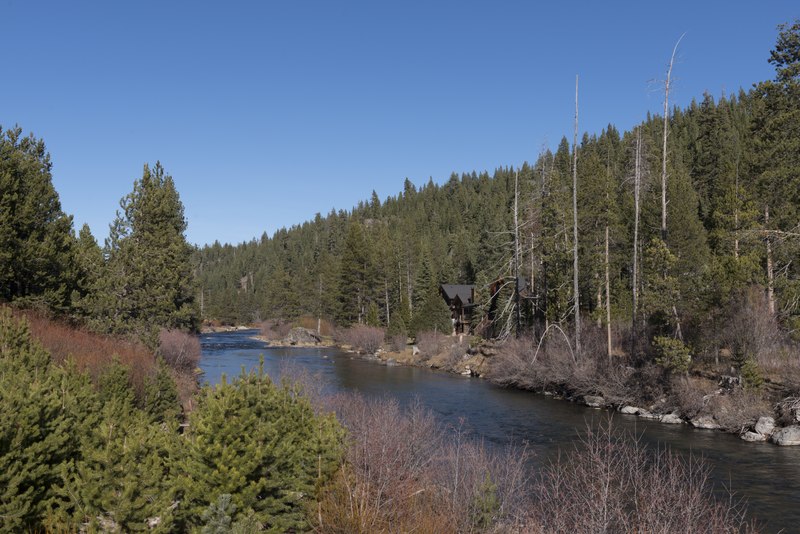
(36, 241)
(35, 437)
(263, 445)
(147, 282)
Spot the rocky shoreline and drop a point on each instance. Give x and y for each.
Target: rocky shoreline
(475, 362)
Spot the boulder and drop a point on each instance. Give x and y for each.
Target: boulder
(671, 418)
(594, 401)
(765, 425)
(705, 421)
(629, 410)
(644, 414)
(301, 336)
(753, 436)
(789, 435)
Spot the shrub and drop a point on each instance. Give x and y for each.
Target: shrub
(398, 342)
(430, 343)
(91, 352)
(365, 339)
(275, 329)
(180, 350)
(612, 483)
(672, 354)
(263, 445)
(312, 323)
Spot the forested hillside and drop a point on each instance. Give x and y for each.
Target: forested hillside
(732, 198)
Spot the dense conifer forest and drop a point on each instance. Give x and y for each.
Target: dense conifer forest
(732, 197)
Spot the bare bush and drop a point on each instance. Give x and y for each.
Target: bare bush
(275, 329)
(739, 410)
(431, 343)
(398, 342)
(405, 473)
(365, 339)
(91, 352)
(550, 364)
(180, 350)
(612, 483)
(687, 395)
(312, 323)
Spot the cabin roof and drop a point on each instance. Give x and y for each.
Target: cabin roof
(462, 291)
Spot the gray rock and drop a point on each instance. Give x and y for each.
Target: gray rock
(629, 410)
(705, 421)
(753, 436)
(671, 418)
(765, 425)
(789, 435)
(594, 401)
(644, 414)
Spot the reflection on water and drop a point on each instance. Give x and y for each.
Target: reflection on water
(768, 477)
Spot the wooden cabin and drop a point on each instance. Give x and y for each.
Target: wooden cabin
(460, 298)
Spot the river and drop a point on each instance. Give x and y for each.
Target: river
(766, 476)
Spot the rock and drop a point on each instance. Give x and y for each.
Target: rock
(705, 421)
(391, 362)
(671, 419)
(301, 336)
(765, 425)
(753, 436)
(644, 414)
(414, 350)
(594, 401)
(629, 410)
(789, 435)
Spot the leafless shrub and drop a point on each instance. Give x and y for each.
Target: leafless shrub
(687, 393)
(753, 332)
(275, 329)
(431, 343)
(326, 328)
(550, 364)
(180, 350)
(405, 473)
(398, 342)
(738, 410)
(365, 339)
(612, 483)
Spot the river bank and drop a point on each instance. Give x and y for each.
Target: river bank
(702, 400)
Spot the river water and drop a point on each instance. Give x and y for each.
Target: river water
(766, 476)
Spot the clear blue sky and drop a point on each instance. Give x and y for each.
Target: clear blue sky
(268, 112)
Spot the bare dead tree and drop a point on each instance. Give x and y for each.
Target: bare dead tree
(637, 182)
(667, 85)
(575, 289)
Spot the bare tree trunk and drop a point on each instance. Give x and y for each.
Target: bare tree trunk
(575, 288)
(608, 299)
(386, 299)
(516, 254)
(736, 216)
(637, 180)
(667, 83)
(770, 266)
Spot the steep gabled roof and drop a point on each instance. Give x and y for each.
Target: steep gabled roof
(463, 292)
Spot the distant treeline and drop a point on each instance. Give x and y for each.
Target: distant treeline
(732, 224)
